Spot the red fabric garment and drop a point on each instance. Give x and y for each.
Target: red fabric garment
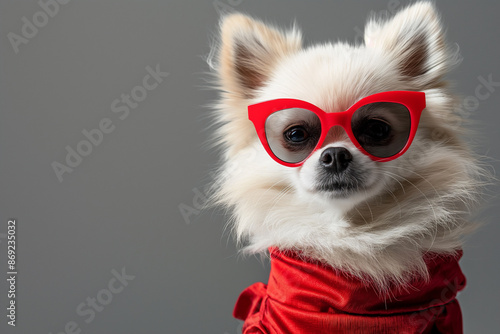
(306, 297)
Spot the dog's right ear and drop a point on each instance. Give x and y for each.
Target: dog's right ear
(415, 39)
(249, 51)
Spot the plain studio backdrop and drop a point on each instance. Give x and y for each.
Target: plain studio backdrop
(119, 244)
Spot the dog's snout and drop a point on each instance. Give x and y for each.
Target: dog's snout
(335, 159)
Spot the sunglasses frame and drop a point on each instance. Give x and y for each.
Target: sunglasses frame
(413, 101)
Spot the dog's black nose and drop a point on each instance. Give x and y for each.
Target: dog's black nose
(335, 159)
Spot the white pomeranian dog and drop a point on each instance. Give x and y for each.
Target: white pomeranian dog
(347, 164)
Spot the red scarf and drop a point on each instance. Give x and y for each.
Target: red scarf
(305, 297)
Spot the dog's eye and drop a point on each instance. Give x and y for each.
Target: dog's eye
(296, 134)
(377, 129)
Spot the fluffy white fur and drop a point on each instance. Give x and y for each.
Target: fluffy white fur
(410, 206)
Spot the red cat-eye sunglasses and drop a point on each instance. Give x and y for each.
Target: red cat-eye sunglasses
(381, 125)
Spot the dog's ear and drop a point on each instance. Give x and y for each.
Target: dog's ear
(414, 39)
(249, 51)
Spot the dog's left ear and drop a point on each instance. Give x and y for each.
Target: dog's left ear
(250, 51)
(415, 40)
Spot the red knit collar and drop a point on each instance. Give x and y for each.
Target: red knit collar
(303, 293)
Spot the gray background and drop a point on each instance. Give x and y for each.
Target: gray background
(120, 206)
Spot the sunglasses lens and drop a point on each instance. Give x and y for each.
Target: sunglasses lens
(292, 134)
(382, 128)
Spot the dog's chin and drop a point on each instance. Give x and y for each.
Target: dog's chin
(341, 194)
(338, 190)
(351, 183)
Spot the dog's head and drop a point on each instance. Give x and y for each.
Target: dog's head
(340, 205)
